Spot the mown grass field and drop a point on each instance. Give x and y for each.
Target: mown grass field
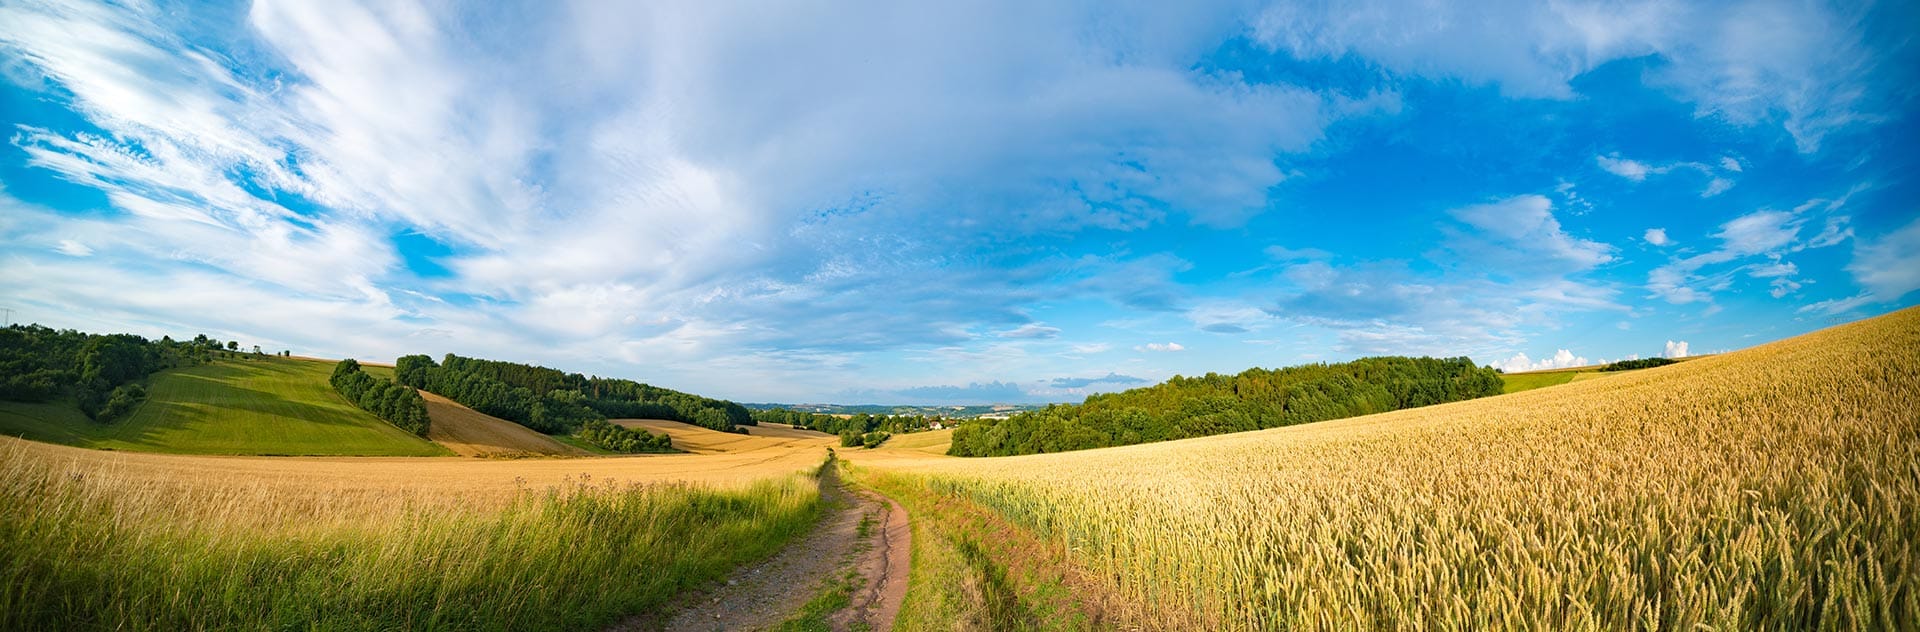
(1517, 382)
(1772, 488)
(258, 406)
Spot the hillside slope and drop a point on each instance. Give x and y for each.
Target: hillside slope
(1769, 488)
(254, 406)
(468, 432)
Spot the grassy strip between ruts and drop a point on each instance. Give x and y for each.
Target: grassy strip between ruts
(87, 550)
(973, 570)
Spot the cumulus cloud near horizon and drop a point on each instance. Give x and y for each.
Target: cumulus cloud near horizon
(1675, 349)
(1561, 359)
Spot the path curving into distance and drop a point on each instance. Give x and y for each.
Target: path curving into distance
(762, 595)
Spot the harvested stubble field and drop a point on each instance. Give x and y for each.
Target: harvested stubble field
(928, 441)
(703, 440)
(1773, 488)
(468, 432)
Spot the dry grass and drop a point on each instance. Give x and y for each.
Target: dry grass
(358, 486)
(92, 543)
(468, 432)
(1777, 487)
(927, 442)
(703, 440)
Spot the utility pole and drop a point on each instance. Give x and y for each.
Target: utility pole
(9, 312)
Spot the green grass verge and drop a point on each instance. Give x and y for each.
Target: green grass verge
(259, 406)
(972, 570)
(88, 553)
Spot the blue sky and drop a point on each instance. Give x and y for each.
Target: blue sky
(984, 202)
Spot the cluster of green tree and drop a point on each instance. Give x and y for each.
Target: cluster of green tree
(851, 438)
(793, 418)
(553, 402)
(1214, 404)
(859, 423)
(623, 440)
(954, 412)
(399, 404)
(101, 373)
(1643, 363)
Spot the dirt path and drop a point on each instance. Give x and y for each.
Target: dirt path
(761, 596)
(884, 566)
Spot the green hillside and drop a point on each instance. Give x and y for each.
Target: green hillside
(255, 406)
(1516, 382)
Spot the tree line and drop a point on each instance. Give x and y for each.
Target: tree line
(620, 439)
(398, 404)
(552, 401)
(858, 423)
(1214, 404)
(1643, 363)
(101, 373)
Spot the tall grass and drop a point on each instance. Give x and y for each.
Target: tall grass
(1775, 488)
(94, 549)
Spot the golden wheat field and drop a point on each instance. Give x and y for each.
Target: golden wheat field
(355, 488)
(1776, 488)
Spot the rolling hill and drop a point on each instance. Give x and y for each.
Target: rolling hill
(264, 406)
(468, 432)
(1770, 488)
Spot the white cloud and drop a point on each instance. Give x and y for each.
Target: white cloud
(1561, 359)
(1837, 230)
(1090, 348)
(1716, 186)
(73, 248)
(1766, 233)
(1160, 347)
(1283, 253)
(654, 182)
(1675, 349)
(1800, 66)
(1228, 317)
(1889, 267)
(1718, 182)
(1657, 237)
(1630, 169)
(1729, 163)
(1031, 331)
(1759, 232)
(1772, 270)
(1522, 230)
(1838, 305)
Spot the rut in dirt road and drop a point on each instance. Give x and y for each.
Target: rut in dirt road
(762, 595)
